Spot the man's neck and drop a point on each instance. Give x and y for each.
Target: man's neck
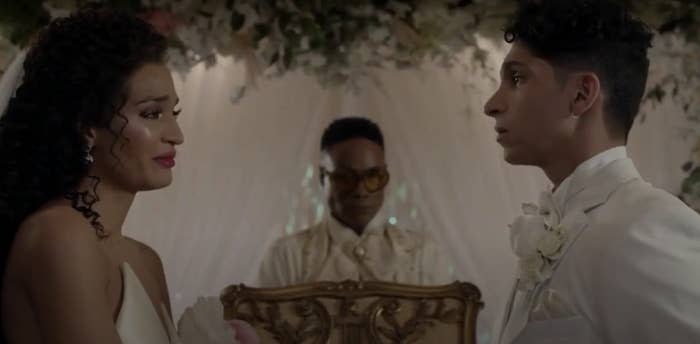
(357, 229)
(558, 169)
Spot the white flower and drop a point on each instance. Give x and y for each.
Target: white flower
(533, 270)
(551, 243)
(530, 209)
(399, 8)
(525, 233)
(304, 44)
(267, 48)
(317, 60)
(384, 17)
(385, 51)
(178, 61)
(362, 11)
(538, 238)
(378, 35)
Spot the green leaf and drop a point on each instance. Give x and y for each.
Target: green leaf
(657, 93)
(19, 20)
(691, 180)
(287, 58)
(126, 5)
(687, 166)
(260, 32)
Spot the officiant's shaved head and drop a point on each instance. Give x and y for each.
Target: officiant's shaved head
(353, 170)
(572, 82)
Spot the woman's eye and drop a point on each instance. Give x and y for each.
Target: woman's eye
(152, 114)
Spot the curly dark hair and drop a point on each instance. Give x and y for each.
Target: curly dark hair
(346, 128)
(597, 35)
(74, 78)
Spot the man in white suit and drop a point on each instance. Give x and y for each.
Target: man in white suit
(606, 257)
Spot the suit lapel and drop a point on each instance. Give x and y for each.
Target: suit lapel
(591, 191)
(587, 192)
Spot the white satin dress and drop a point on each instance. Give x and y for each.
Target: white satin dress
(138, 321)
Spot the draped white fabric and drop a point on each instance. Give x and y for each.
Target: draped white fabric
(244, 169)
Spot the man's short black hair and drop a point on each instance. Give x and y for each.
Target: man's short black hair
(596, 35)
(347, 128)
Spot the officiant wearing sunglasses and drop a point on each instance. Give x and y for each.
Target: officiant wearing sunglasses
(352, 241)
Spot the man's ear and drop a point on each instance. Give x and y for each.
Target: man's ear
(585, 92)
(325, 165)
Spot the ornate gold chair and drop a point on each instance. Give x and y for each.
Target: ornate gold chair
(353, 312)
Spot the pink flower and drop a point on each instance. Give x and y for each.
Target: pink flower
(245, 334)
(163, 21)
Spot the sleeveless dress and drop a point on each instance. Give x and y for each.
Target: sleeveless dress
(138, 321)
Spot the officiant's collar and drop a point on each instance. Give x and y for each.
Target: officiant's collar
(587, 169)
(341, 233)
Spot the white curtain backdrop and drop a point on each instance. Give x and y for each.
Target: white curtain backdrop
(246, 173)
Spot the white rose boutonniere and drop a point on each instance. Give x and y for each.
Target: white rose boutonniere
(538, 238)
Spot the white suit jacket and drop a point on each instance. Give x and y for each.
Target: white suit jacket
(631, 275)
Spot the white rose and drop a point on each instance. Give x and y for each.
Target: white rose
(304, 44)
(532, 270)
(530, 209)
(384, 17)
(525, 233)
(379, 34)
(399, 8)
(362, 11)
(550, 243)
(384, 51)
(317, 60)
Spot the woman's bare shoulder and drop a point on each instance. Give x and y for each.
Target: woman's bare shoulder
(56, 236)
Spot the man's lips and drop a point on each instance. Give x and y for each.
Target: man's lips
(501, 133)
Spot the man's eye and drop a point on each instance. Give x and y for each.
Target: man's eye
(516, 78)
(346, 176)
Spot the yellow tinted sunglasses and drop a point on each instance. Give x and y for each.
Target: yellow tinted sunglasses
(373, 179)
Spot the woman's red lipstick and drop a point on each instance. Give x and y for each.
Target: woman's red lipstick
(166, 160)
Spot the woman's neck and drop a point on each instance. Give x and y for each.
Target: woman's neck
(112, 203)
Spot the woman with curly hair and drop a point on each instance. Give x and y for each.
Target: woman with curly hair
(93, 122)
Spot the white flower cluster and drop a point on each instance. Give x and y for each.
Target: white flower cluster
(538, 239)
(335, 43)
(675, 71)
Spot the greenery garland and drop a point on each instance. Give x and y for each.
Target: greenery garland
(339, 41)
